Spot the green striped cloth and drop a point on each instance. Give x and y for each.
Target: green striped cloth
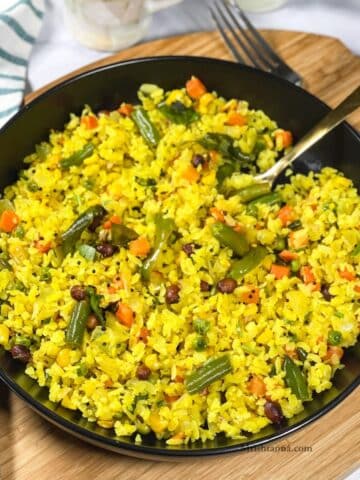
(20, 22)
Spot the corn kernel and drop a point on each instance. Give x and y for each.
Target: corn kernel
(63, 358)
(4, 334)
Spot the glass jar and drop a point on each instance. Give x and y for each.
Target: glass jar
(110, 25)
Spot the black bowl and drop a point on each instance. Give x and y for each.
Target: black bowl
(106, 87)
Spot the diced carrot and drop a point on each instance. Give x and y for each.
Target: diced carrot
(140, 247)
(8, 221)
(217, 214)
(334, 355)
(288, 256)
(315, 287)
(256, 386)
(252, 295)
(112, 290)
(89, 122)
(108, 383)
(143, 334)
(171, 398)
(125, 315)
(126, 109)
(239, 228)
(114, 219)
(195, 88)
(179, 379)
(284, 138)
(280, 271)
(43, 247)
(357, 288)
(191, 174)
(307, 274)
(298, 239)
(286, 215)
(236, 118)
(347, 275)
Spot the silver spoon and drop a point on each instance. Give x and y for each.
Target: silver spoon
(328, 123)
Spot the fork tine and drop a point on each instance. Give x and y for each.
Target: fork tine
(226, 38)
(255, 54)
(261, 41)
(229, 18)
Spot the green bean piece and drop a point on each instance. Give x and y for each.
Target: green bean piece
(73, 233)
(201, 326)
(334, 337)
(164, 229)
(20, 232)
(76, 328)
(224, 144)
(77, 158)
(295, 266)
(295, 225)
(200, 344)
(88, 252)
(147, 89)
(5, 204)
(253, 192)
(217, 141)
(248, 263)
(45, 275)
(231, 239)
(280, 244)
(269, 199)
(178, 113)
(302, 353)
(145, 182)
(224, 171)
(146, 128)
(4, 264)
(122, 235)
(356, 251)
(295, 379)
(42, 150)
(210, 372)
(95, 300)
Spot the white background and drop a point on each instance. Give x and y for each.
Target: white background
(56, 53)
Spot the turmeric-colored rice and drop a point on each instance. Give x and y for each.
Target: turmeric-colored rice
(307, 310)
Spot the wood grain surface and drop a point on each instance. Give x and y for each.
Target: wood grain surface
(31, 448)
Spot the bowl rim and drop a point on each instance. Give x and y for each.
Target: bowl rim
(139, 450)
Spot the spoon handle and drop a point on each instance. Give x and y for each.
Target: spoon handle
(328, 123)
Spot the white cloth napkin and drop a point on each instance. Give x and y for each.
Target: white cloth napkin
(20, 22)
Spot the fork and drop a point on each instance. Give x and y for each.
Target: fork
(231, 22)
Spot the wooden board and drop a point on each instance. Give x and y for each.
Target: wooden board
(329, 69)
(32, 448)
